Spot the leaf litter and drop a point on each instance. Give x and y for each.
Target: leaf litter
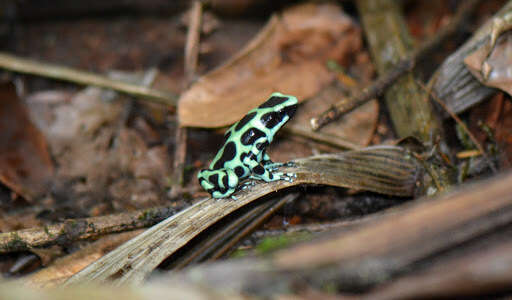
(104, 160)
(100, 159)
(496, 62)
(25, 164)
(288, 55)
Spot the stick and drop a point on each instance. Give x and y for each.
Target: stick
(191, 56)
(379, 86)
(79, 229)
(464, 127)
(28, 66)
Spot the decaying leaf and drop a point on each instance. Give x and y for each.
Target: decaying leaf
(91, 143)
(25, 165)
(493, 68)
(385, 169)
(68, 265)
(289, 55)
(494, 115)
(356, 127)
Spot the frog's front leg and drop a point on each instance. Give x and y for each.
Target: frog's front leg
(259, 172)
(272, 166)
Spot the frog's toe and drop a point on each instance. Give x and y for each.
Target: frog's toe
(248, 184)
(290, 177)
(289, 164)
(273, 166)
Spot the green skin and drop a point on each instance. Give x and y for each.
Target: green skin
(243, 153)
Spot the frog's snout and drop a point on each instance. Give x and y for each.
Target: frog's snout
(290, 110)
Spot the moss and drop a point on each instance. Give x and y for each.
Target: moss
(47, 231)
(146, 215)
(270, 244)
(73, 223)
(16, 243)
(239, 253)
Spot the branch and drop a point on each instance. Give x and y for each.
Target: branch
(379, 86)
(79, 229)
(23, 65)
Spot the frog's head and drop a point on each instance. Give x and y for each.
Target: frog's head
(277, 110)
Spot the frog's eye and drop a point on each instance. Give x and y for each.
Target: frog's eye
(289, 110)
(250, 136)
(271, 119)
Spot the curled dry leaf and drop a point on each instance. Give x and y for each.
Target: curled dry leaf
(289, 55)
(385, 169)
(25, 164)
(493, 67)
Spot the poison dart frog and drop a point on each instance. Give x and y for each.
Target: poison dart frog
(243, 152)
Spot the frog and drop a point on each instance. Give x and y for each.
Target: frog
(243, 154)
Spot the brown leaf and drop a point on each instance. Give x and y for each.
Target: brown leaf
(356, 127)
(486, 271)
(289, 55)
(494, 114)
(496, 63)
(91, 142)
(25, 165)
(68, 265)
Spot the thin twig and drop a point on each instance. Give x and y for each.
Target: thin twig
(192, 44)
(379, 86)
(23, 65)
(79, 229)
(180, 155)
(315, 227)
(191, 57)
(461, 124)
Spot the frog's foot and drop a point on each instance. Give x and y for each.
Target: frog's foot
(247, 184)
(271, 166)
(290, 177)
(289, 164)
(274, 166)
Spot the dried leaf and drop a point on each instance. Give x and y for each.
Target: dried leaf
(356, 127)
(495, 115)
(25, 165)
(478, 273)
(289, 55)
(497, 65)
(68, 265)
(90, 142)
(386, 169)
